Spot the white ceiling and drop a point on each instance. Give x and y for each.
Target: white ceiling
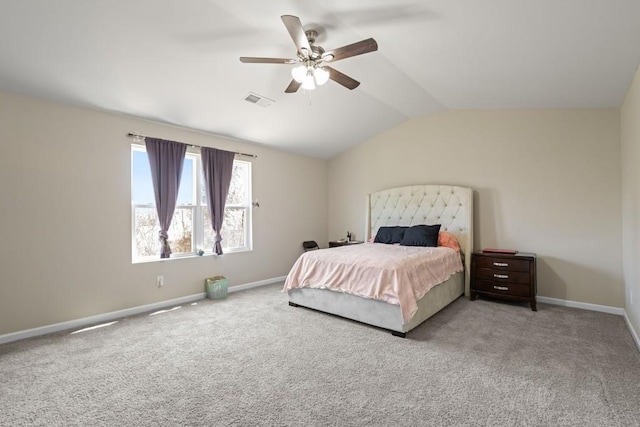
(177, 61)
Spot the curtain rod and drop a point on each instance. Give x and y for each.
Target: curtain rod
(137, 135)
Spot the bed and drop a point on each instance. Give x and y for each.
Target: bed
(448, 205)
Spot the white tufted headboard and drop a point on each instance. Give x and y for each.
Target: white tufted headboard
(448, 205)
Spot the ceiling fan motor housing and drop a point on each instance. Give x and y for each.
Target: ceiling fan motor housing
(312, 35)
(316, 51)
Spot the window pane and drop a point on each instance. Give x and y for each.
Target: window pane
(233, 228)
(142, 186)
(187, 184)
(180, 232)
(208, 230)
(239, 188)
(147, 229)
(203, 189)
(146, 232)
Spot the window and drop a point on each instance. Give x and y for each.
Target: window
(190, 228)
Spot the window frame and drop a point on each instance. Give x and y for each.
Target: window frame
(198, 212)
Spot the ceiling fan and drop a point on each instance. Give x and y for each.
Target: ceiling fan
(311, 71)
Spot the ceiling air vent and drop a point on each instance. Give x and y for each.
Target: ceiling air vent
(258, 100)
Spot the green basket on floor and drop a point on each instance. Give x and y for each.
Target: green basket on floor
(217, 287)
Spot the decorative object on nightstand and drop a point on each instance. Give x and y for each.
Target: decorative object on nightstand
(506, 274)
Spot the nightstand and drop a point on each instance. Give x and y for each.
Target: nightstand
(337, 243)
(506, 276)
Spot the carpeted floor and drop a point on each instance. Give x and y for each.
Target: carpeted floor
(253, 360)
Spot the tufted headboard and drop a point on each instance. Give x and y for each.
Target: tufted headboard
(448, 205)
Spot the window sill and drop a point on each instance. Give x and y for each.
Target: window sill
(188, 256)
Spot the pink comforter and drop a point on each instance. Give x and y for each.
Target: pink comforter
(395, 274)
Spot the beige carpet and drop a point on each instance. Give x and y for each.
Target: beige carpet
(253, 360)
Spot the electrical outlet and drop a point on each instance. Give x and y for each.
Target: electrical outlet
(160, 281)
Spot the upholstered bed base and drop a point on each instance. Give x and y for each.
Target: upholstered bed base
(379, 313)
(448, 205)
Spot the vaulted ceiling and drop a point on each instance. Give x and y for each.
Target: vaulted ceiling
(178, 62)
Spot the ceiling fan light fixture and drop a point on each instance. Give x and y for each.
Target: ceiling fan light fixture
(299, 73)
(309, 82)
(321, 75)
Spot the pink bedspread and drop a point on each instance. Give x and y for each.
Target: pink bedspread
(395, 274)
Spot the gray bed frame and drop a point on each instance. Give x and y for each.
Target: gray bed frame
(448, 205)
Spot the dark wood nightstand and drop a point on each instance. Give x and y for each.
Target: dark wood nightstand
(337, 243)
(507, 276)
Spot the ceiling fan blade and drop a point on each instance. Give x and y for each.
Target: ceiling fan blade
(294, 26)
(342, 79)
(358, 48)
(252, 60)
(293, 87)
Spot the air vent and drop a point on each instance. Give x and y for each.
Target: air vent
(258, 100)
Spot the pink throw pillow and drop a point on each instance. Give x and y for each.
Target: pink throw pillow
(449, 240)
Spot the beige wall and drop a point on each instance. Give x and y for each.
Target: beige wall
(66, 216)
(545, 181)
(630, 137)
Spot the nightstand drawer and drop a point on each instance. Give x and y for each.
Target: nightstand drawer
(503, 263)
(506, 276)
(513, 289)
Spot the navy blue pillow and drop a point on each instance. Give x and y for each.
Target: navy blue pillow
(421, 235)
(390, 235)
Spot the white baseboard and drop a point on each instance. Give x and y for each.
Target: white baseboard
(633, 332)
(107, 317)
(257, 284)
(583, 305)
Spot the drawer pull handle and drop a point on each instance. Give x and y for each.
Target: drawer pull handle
(501, 288)
(501, 264)
(501, 276)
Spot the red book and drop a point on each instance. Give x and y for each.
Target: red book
(499, 251)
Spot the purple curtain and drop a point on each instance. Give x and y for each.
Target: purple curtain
(217, 166)
(166, 159)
